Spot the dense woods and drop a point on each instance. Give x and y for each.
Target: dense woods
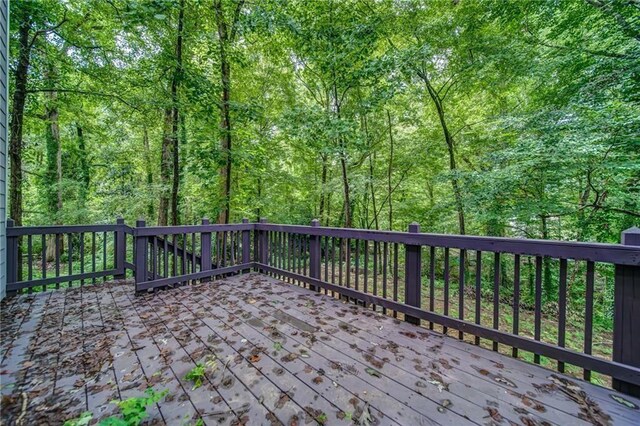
(475, 117)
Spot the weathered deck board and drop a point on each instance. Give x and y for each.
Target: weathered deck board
(534, 384)
(282, 355)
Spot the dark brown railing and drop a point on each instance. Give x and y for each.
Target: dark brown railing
(464, 286)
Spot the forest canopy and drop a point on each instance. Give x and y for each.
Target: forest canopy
(509, 118)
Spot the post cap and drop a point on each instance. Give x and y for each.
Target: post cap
(315, 222)
(245, 220)
(631, 236)
(414, 227)
(140, 223)
(119, 220)
(10, 222)
(205, 220)
(263, 220)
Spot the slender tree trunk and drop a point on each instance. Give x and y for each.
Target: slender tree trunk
(371, 175)
(457, 193)
(343, 165)
(225, 115)
(149, 172)
(259, 199)
(389, 171)
(165, 168)
(323, 189)
(175, 84)
(17, 119)
(85, 175)
(53, 181)
(54, 162)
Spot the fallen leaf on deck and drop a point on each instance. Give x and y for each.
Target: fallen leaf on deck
(373, 372)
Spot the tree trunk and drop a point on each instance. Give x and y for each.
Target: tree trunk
(54, 163)
(149, 172)
(175, 116)
(323, 189)
(347, 211)
(451, 150)
(165, 168)
(225, 115)
(389, 171)
(53, 175)
(84, 172)
(371, 177)
(17, 119)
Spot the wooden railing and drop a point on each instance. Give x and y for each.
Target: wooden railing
(464, 286)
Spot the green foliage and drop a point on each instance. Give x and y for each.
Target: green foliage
(84, 419)
(134, 410)
(196, 375)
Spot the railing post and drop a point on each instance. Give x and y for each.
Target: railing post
(205, 250)
(140, 255)
(626, 320)
(120, 249)
(412, 274)
(246, 245)
(315, 254)
(263, 248)
(12, 258)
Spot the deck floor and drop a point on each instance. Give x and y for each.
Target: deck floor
(274, 353)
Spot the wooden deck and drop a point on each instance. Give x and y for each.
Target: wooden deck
(275, 353)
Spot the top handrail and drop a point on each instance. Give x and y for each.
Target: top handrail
(596, 252)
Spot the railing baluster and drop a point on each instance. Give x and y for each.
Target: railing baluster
(366, 266)
(562, 308)
(395, 277)
(446, 286)
(461, 290)
(340, 259)
(93, 256)
(70, 258)
(30, 258)
(478, 291)
(165, 255)
(326, 262)
(375, 270)
(516, 300)
(82, 257)
(44, 260)
(385, 259)
(224, 249)
(538, 305)
(174, 258)
(194, 266)
(496, 295)
(154, 258)
(357, 265)
(57, 248)
(347, 262)
(104, 254)
(184, 255)
(333, 263)
(306, 249)
(588, 316)
(432, 281)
